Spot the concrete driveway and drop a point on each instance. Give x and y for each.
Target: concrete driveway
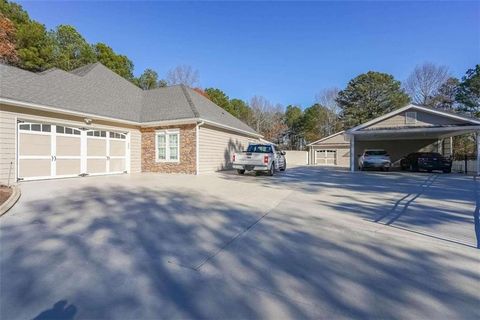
(310, 243)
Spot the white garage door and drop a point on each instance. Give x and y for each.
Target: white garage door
(326, 157)
(55, 151)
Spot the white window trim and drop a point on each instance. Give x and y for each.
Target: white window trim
(412, 119)
(167, 145)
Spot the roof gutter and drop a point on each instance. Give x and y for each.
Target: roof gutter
(411, 106)
(168, 122)
(416, 130)
(134, 123)
(35, 106)
(219, 125)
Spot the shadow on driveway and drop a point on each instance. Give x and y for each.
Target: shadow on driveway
(135, 253)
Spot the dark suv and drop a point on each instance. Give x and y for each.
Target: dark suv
(428, 161)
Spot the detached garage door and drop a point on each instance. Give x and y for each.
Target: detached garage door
(326, 157)
(55, 151)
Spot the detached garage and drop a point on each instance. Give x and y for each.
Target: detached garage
(333, 150)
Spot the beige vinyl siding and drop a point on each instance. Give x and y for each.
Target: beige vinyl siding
(343, 157)
(9, 115)
(135, 151)
(7, 146)
(424, 119)
(336, 139)
(216, 147)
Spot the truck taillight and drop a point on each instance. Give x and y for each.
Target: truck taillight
(265, 159)
(233, 158)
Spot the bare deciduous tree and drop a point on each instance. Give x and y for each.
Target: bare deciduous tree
(267, 118)
(183, 74)
(328, 99)
(424, 82)
(260, 107)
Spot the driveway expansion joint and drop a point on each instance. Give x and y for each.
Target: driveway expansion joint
(241, 233)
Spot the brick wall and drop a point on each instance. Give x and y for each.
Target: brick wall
(187, 162)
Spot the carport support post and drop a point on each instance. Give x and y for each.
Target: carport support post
(352, 153)
(478, 152)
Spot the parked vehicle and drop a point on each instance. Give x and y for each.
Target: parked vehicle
(260, 157)
(428, 161)
(374, 158)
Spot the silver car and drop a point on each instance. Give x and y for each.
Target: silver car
(374, 158)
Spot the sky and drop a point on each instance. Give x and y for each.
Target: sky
(285, 51)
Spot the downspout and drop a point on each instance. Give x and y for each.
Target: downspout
(352, 153)
(478, 152)
(197, 146)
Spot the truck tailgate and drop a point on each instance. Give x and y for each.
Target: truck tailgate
(248, 158)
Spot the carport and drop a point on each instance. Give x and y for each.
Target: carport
(410, 129)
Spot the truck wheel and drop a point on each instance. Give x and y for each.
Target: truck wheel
(240, 171)
(271, 171)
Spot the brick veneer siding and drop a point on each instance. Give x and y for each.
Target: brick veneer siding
(187, 162)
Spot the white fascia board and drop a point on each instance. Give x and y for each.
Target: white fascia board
(219, 125)
(330, 136)
(196, 120)
(168, 122)
(385, 116)
(446, 114)
(419, 130)
(135, 123)
(412, 106)
(35, 106)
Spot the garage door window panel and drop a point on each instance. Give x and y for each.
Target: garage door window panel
(35, 127)
(167, 146)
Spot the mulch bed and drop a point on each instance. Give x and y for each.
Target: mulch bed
(5, 193)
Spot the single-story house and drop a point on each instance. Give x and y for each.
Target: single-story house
(409, 129)
(92, 121)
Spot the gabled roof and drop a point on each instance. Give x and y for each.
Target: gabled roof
(96, 90)
(454, 116)
(326, 138)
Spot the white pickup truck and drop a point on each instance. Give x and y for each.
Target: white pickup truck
(260, 157)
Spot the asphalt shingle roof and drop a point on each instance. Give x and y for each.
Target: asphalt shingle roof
(97, 90)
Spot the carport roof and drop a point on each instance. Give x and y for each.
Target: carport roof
(455, 124)
(466, 119)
